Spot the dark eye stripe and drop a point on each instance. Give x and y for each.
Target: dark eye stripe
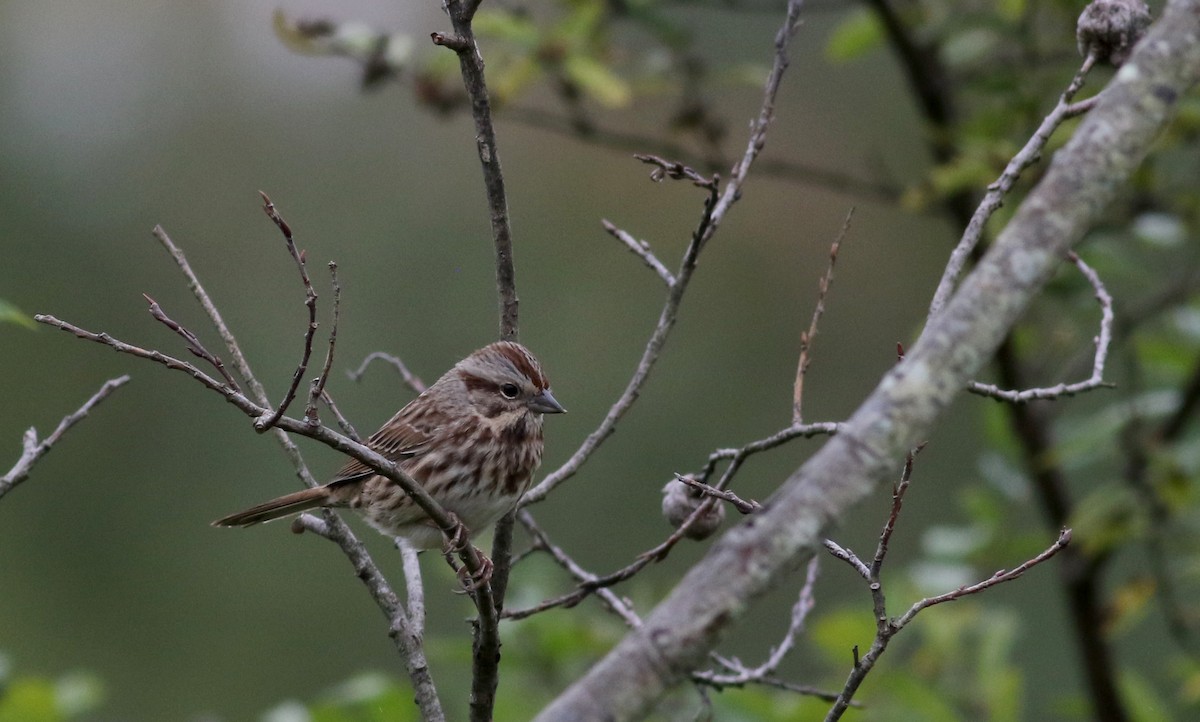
(478, 383)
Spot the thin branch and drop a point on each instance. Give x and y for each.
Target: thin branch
(317, 389)
(742, 505)
(666, 320)
(414, 585)
(410, 379)
(471, 65)
(1001, 187)
(715, 209)
(1064, 538)
(897, 504)
(310, 300)
(807, 337)
(737, 456)
(1102, 342)
(190, 340)
(589, 586)
(235, 350)
(840, 552)
(888, 628)
(33, 450)
(407, 644)
(621, 607)
(641, 249)
(741, 674)
(342, 422)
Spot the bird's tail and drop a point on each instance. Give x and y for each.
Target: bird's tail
(282, 506)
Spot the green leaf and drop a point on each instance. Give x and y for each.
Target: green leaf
(29, 700)
(12, 314)
(857, 34)
(1144, 703)
(598, 81)
(1011, 10)
(505, 25)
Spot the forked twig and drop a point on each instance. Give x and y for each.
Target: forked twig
(317, 388)
(410, 379)
(992, 201)
(887, 627)
(310, 301)
(32, 450)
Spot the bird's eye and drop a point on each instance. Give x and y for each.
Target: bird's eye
(510, 390)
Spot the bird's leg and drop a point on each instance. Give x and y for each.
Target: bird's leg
(455, 544)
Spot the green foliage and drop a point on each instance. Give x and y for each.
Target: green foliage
(11, 314)
(858, 33)
(369, 697)
(37, 699)
(1145, 703)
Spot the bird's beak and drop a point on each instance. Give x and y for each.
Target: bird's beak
(545, 403)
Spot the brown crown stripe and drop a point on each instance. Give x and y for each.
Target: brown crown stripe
(522, 361)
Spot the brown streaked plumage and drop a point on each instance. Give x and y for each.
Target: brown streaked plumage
(473, 440)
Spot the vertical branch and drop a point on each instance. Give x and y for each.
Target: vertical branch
(490, 598)
(470, 62)
(807, 337)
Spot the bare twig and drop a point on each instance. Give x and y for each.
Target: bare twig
(840, 552)
(33, 450)
(641, 249)
(897, 503)
(317, 389)
(342, 422)
(737, 457)
(887, 627)
(407, 644)
(590, 585)
(190, 340)
(310, 300)
(807, 337)
(1000, 188)
(470, 62)
(410, 379)
(666, 320)
(739, 674)
(414, 585)
(1102, 341)
(743, 506)
(621, 607)
(716, 207)
(1064, 538)
(235, 351)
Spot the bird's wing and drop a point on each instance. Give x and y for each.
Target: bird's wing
(398, 439)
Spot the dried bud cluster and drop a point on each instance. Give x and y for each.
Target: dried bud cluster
(680, 500)
(1110, 28)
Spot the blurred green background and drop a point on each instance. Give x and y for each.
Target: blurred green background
(119, 115)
